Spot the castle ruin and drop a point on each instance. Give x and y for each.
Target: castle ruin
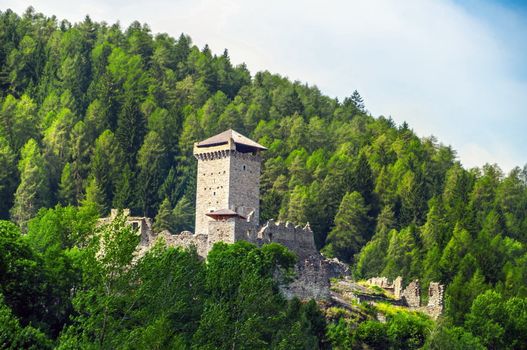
(411, 295)
(228, 210)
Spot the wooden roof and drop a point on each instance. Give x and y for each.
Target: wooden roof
(224, 213)
(224, 137)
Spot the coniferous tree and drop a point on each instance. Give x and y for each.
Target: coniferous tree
(33, 191)
(151, 161)
(165, 219)
(124, 195)
(8, 178)
(104, 164)
(351, 225)
(67, 186)
(80, 145)
(95, 198)
(183, 215)
(130, 129)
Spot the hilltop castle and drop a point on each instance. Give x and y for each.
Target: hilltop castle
(228, 210)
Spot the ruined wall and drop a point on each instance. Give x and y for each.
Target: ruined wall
(398, 287)
(412, 294)
(143, 225)
(298, 239)
(382, 282)
(311, 280)
(186, 240)
(435, 299)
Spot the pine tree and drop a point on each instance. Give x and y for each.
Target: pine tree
(124, 195)
(358, 101)
(94, 198)
(165, 219)
(33, 191)
(183, 215)
(67, 186)
(372, 258)
(80, 145)
(105, 162)
(8, 178)
(351, 225)
(151, 161)
(130, 129)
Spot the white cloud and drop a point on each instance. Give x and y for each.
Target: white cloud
(432, 63)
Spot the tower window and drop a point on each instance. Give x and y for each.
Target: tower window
(214, 193)
(244, 167)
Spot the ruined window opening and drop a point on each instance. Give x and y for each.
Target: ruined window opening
(135, 225)
(244, 167)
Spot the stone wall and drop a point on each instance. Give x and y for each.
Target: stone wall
(186, 240)
(435, 299)
(231, 230)
(212, 187)
(244, 185)
(311, 280)
(312, 272)
(298, 239)
(412, 294)
(398, 287)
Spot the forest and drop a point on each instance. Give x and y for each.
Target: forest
(94, 116)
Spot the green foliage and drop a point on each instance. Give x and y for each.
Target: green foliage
(444, 336)
(165, 218)
(14, 336)
(99, 116)
(33, 191)
(21, 274)
(499, 323)
(349, 233)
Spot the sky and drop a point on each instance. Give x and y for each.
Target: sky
(455, 69)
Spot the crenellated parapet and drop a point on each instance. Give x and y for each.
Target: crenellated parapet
(213, 154)
(297, 238)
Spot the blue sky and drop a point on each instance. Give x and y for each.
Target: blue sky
(455, 69)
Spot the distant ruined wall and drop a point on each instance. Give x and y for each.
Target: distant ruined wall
(311, 281)
(411, 295)
(435, 299)
(398, 287)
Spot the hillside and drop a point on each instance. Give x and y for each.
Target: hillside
(93, 117)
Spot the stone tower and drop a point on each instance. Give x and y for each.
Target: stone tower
(228, 186)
